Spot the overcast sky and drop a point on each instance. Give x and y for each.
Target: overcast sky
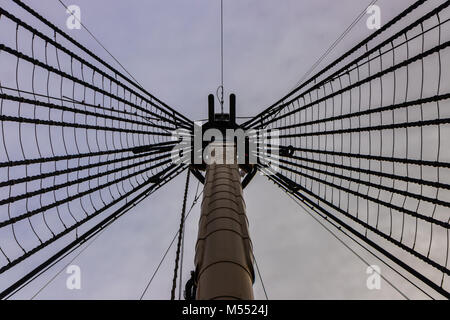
(173, 48)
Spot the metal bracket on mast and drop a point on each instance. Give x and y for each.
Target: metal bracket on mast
(222, 122)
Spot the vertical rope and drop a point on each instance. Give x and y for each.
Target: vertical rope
(180, 283)
(180, 235)
(221, 58)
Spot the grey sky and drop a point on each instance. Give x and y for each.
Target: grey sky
(172, 48)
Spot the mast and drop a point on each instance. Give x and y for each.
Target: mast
(223, 258)
(223, 255)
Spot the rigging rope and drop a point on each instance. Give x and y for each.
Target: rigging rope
(65, 266)
(334, 44)
(86, 139)
(275, 108)
(180, 283)
(260, 276)
(305, 207)
(97, 235)
(180, 237)
(194, 202)
(83, 238)
(220, 89)
(101, 45)
(362, 141)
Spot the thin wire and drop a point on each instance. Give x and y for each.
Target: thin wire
(98, 41)
(66, 265)
(260, 277)
(221, 53)
(334, 44)
(221, 39)
(168, 249)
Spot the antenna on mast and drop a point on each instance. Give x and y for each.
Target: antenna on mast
(221, 88)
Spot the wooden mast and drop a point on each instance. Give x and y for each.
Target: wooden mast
(223, 257)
